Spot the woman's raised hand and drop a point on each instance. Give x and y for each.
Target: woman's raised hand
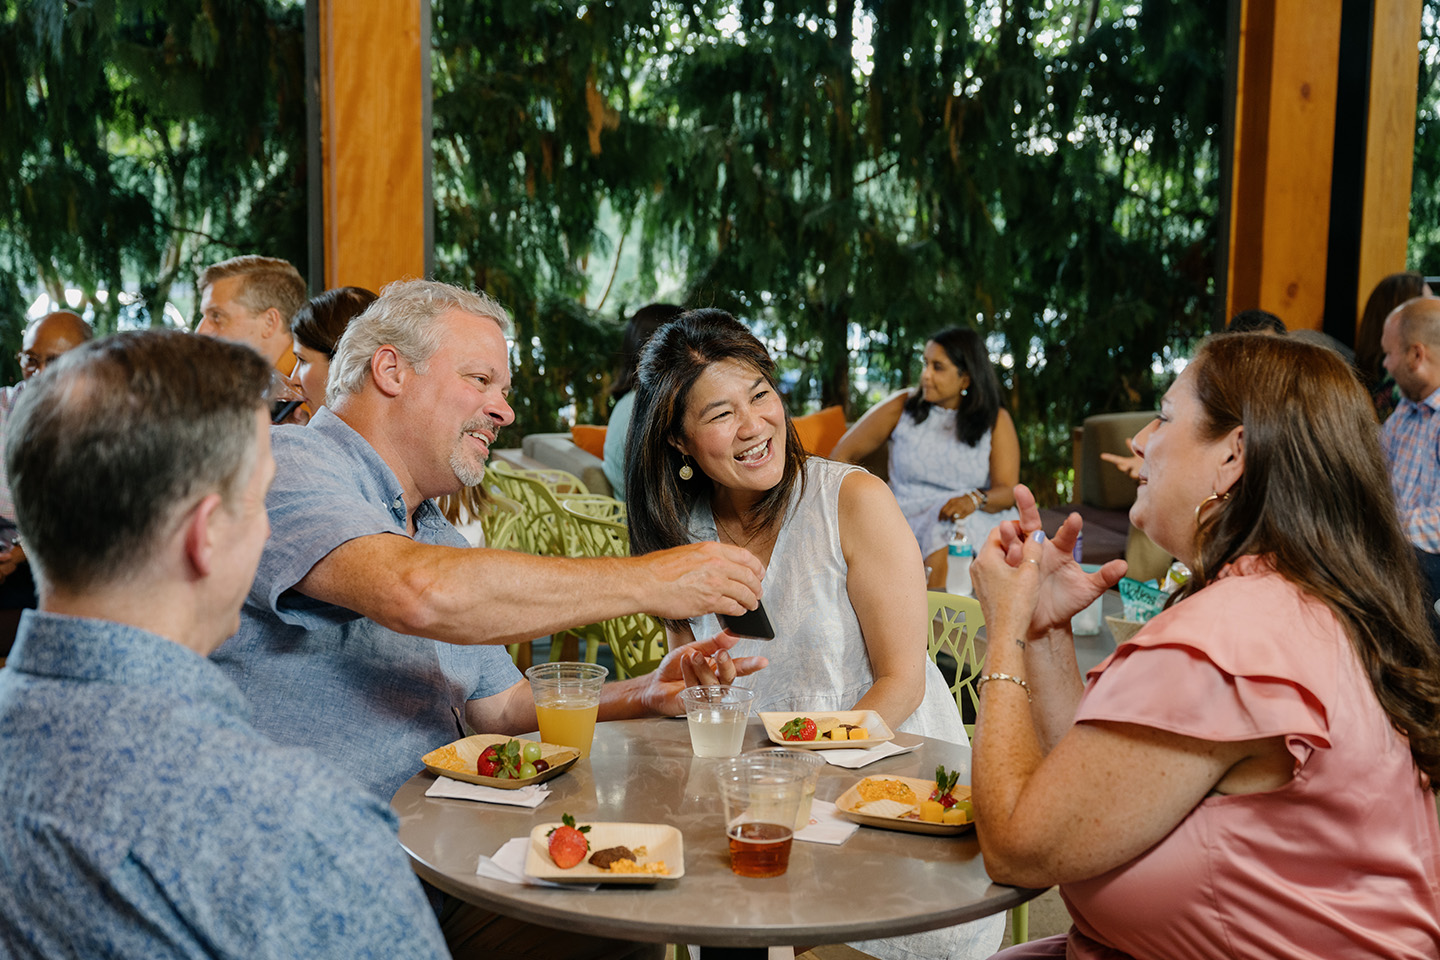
(1064, 588)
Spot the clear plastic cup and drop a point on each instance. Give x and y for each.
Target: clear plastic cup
(716, 717)
(567, 701)
(810, 763)
(761, 797)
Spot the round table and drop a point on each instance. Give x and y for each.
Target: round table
(879, 883)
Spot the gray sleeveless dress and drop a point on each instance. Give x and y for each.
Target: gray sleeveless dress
(818, 662)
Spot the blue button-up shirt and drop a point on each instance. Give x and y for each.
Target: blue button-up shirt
(142, 816)
(1411, 440)
(372, 700)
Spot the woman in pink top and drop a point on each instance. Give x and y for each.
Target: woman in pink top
(1250, 775)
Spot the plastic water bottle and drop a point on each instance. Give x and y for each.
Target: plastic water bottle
(957, 563)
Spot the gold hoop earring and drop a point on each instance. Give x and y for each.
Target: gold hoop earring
(1222, 497)
(685, 472)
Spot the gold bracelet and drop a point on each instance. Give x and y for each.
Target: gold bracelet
(1003, 676)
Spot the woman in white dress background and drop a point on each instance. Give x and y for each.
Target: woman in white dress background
(954, 452)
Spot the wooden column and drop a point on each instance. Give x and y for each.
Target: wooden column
(373, 87)
(1284, 135)
(1389, 163)
(1321, 156)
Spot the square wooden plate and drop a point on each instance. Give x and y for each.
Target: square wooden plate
(825, 719)
(661, 842)
(848, 801)
(457, 761)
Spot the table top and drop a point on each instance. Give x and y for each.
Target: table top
(879, 883)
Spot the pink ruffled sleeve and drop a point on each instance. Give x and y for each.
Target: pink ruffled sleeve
(1248, 657)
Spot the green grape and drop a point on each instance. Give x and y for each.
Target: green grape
(527, 770)
(530, 752)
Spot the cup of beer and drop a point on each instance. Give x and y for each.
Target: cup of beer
(716, 717)
(567, 699)
(762, 799)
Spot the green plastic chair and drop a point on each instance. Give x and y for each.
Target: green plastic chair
(954, 623)
(637, 641)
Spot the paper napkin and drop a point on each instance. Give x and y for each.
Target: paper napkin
(531, 796)
(826, 825)
(855, 759)
(508, 865)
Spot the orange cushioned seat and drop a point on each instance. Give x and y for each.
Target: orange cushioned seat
(819, 432)
(589, 438)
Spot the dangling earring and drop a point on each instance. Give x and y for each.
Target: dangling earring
(685, 472)
(1222, 497)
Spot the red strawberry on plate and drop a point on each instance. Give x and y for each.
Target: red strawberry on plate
(801, 728)
(568, 845)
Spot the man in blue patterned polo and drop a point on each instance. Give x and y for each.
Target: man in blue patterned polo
(140, 813)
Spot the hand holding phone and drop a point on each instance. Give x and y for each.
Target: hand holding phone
(752, 623)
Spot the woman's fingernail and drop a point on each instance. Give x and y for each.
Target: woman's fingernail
(1038, 536)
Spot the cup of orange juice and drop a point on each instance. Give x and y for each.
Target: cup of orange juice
(567, 699)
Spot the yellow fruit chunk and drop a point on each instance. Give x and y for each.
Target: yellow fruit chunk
(859, 733)
(955, 815)
(931, 811)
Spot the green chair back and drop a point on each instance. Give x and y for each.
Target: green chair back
(954, 623)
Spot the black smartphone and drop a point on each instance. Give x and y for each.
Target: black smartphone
(281, 409)
(751, 623)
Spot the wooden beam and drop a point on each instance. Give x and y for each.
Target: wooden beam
(1280, 194)
(1390, 140)
(374, 88)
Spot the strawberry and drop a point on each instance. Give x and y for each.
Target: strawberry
(500, 761)
(944, 783)
(568, 845)
(801, 728)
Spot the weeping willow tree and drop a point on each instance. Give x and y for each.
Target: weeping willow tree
(142, 140)
(847, 177)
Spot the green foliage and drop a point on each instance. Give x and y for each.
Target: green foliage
(145, 139)
(1424, 247)
(1046, 172)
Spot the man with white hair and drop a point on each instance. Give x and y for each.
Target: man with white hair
(361, 565)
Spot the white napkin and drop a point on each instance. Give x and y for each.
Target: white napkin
(531, 796)
(508, 865)
(855, 759)
(826, 825)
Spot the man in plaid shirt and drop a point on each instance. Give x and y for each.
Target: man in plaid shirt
(1411, 435)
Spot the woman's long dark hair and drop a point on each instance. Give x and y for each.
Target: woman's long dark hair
(638, 331)
(320, 323)
(981, 403)
(657, 500)
(1315, 500)
(1388, 294)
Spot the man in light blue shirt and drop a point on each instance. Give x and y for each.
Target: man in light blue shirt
(140, 813)
(374, 633)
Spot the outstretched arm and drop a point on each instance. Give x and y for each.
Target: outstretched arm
(460, 595)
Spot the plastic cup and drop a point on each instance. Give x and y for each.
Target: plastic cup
(716, 717)
(762, 798)
(567, 700)
(809, 763)
(1087, 621)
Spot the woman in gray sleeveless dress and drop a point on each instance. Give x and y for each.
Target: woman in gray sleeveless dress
(712, 455)
(954, 453)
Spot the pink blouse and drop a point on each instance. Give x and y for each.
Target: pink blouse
(1342, 861)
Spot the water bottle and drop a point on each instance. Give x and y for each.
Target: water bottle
(957, 563)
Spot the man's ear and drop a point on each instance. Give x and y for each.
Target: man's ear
(1233, 464)
(274, 324)
(388, 370)
(199, 537)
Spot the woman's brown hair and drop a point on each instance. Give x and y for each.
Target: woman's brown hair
(1314, 498)
(1388, 294)
(657, 500)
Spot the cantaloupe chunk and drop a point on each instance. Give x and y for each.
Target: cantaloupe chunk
(859, 733)
(931, 811)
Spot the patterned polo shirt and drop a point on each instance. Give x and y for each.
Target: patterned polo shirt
(142, 816)
(372, 700)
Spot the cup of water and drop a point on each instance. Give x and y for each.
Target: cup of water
(716, 716)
